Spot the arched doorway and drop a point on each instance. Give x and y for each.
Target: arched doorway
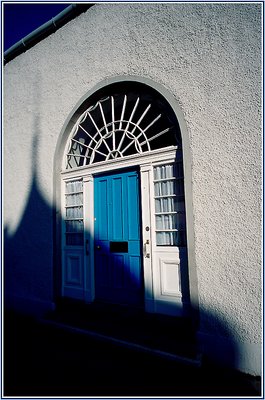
(123, 225)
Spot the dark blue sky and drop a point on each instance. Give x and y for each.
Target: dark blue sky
(22, 19)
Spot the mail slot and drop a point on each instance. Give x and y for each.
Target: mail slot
(118, 247)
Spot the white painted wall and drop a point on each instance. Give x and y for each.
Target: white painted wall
(208, 56)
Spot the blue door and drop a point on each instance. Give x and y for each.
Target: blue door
(118, 273)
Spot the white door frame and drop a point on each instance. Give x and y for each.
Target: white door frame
(155, 297)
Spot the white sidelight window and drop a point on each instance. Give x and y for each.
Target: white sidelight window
(169, 205)
(73, 239)
(74, 225)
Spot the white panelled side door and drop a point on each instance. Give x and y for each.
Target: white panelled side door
(164, 238)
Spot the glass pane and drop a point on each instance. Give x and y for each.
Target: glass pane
(165, 188)
(74, 199)
(179, 204)
(164, 172)
(180, 221)
(179, 170)
(74, 239)
(180, 238)
(74, 212)
(157, 189)
(170, 204)
(165, 238)
(165, 221)
(74, 186)
(179, 187)
(171, 238)
(159, 222)
(160, 239)
(74, 226)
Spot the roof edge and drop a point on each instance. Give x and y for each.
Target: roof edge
(45, 30)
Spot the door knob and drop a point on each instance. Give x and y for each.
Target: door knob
(98, 247)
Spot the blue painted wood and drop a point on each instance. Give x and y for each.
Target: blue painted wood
(118, 275)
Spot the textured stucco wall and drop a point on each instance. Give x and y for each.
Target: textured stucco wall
(209, 57)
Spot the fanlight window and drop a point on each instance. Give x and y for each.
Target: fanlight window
(121, 121)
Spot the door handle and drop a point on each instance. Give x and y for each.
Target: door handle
(87, 248)
(146, 253)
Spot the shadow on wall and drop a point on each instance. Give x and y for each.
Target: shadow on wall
(27, 275)
(28, 251)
